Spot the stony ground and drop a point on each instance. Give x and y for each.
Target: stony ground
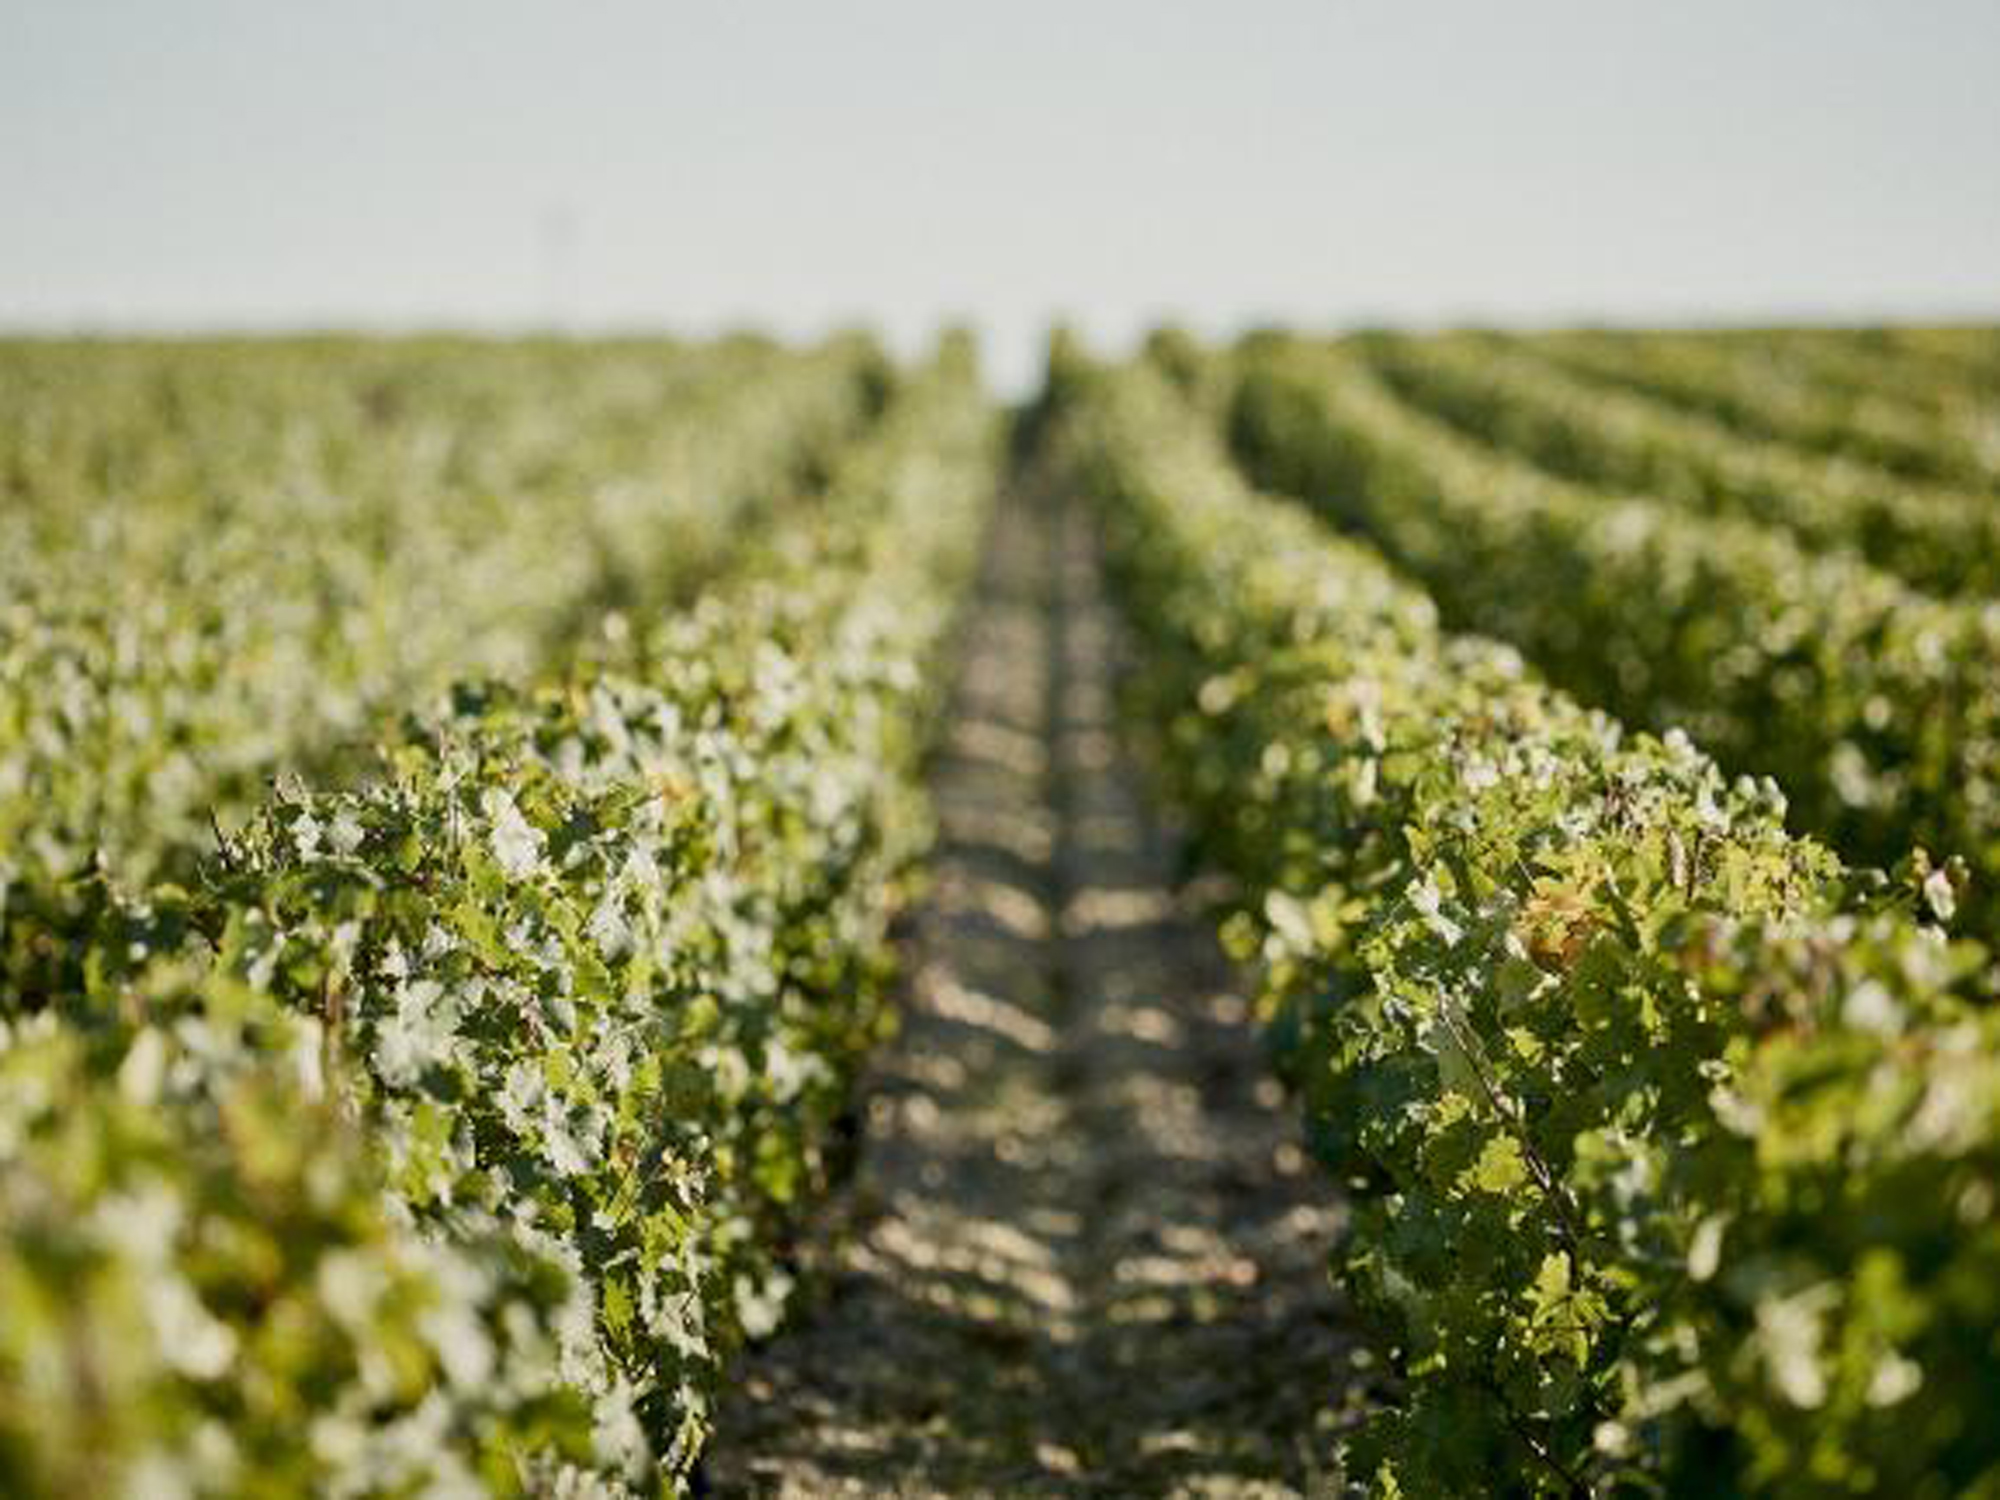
(1082, 1253)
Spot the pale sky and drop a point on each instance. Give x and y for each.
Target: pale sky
(210, 163)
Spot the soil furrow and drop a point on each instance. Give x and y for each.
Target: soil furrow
(1082, 1252)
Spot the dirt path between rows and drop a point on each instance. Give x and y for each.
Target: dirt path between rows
(1082, 1253)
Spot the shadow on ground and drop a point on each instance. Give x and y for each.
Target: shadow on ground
(1083, 1253)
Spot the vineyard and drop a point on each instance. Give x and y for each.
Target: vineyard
(1410, 915)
